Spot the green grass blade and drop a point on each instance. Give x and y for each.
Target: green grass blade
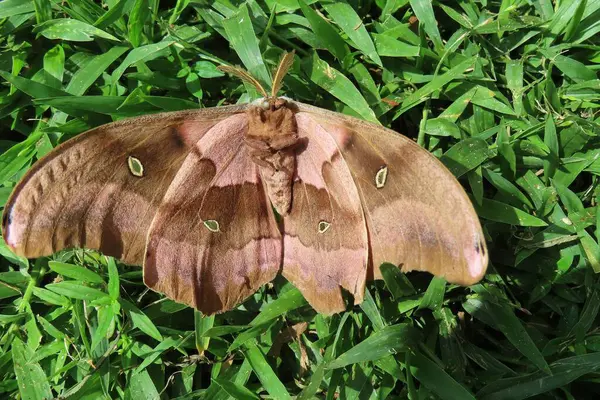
(75, 272)
(33, 383)
(264, 372)
(501, 317)
(347, 19)
(437, 380)
(339, 86)
(389, 340)
(243, 40)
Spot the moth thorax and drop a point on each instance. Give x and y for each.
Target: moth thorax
(275, 120)
(271, 142)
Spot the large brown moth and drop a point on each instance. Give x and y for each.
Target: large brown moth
(192, 197)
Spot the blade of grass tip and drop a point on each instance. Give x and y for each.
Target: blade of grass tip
(423, 10)
(476, 183)
(502, 318)
(243, 373)
(500, 212)
(179, 7)
(156, 352)
(563, 371)
(587, 317)
(105, 318)
(358, 384)
(75, 272)
(436, 83)
(434, 296)
(54, 65)
(338, 85)
(452, 352)
(389, 47)
(51, 297)
(140, 320)
(85, 76)
(32, 381)
(437, 380)
(114, 286)
(71, 30)
(13, 160)
(514, 81)
(389, 340)
(288, 301)
(137, 21)
(551, 140)
(264, 372)
(338, 337)
(9, 8)
(32, 88)
(327, 35)
(111, 17)
(243, 39)
(310, 391)
(76, 290)
(145, 53)
(249, 334)
(396, 281)
(508, 157)
(202, 324)
(570, 170)
(367, 86)
(234, 390)
(591, 249)
(141, 386)
(561, 19)
(570, 200)
(504, 186)
(344, 15)
(372, 311)
(465, 155)
(81, 106)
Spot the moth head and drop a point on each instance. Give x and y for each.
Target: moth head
(271, 101)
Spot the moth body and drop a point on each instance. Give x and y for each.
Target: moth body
(271, 142)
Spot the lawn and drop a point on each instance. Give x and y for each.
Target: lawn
(504, 93)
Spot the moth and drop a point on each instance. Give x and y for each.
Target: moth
(216, 202)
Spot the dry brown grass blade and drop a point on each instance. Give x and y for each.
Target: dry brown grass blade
(284, 66)
(245, 76)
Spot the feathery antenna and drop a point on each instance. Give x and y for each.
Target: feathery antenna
(287, 59)
(245, 76)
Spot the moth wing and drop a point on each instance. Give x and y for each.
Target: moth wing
(214, 240)
(418, 216)
(101, 189)
(325, 239)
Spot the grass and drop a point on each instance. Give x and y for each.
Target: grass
(506, 93)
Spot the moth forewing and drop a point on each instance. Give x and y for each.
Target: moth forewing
(423, 220)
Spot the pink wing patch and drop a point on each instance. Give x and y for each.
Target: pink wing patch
(214, 240)
(325, 240)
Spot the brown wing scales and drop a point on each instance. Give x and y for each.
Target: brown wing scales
(417, 214)
(83, 194)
